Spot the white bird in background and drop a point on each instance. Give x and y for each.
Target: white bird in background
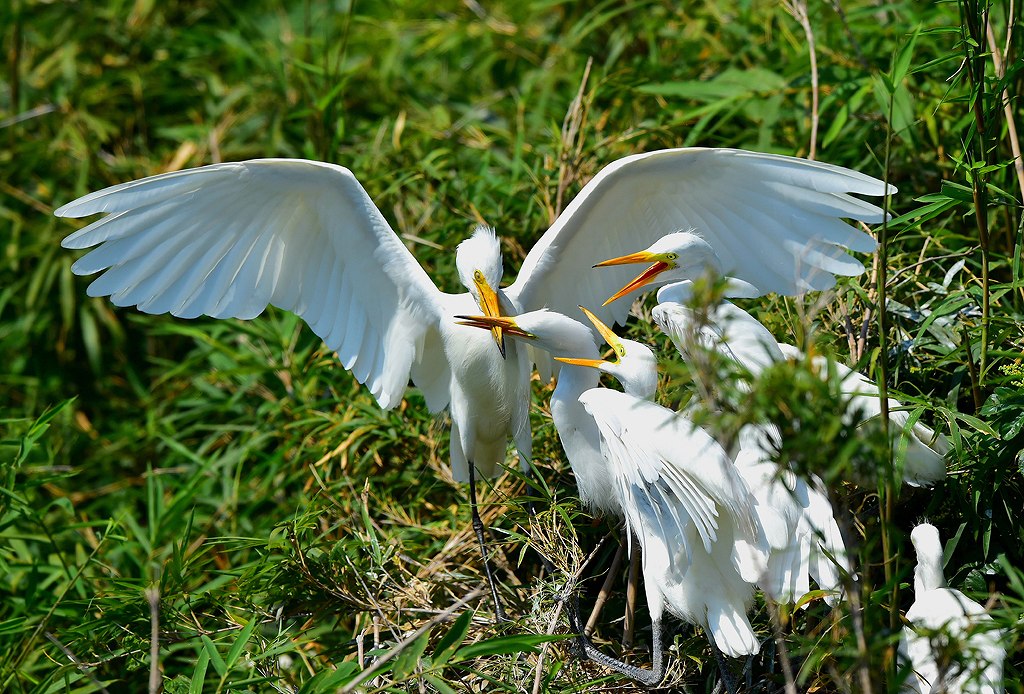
(677, 488)
(924, 459)
(750, 344)
(795, 513)
(951, 644)
(228, 239)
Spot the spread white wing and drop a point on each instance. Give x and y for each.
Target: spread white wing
(774, 221)
(668, 472)
(228, 239)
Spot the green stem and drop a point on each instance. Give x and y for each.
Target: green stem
(973, 20)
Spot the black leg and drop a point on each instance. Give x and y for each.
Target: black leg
(478, 526)
(648, 678)
(727, 677)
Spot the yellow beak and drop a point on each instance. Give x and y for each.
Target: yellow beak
(505, 324)
(646, 277)
(592, 363)
(492, 309)
(610, 337)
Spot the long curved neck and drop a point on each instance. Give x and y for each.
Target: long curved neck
(579, 434)
(928, 574)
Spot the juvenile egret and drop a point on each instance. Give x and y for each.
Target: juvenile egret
(801, 531)
(681, 257)
(679, 492)
(228, 239)
(951, 644)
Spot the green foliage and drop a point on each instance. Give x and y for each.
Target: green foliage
(227, 484)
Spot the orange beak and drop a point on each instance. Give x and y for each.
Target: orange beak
(610, 337)
(644, 278)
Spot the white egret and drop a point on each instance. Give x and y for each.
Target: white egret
(742, 338)
(924, 460)
(797, 517)
(679, 492)
(228, 239)
(951, 644)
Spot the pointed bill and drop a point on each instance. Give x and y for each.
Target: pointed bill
(592, 363)
(646, 277)
(506, 324)
(609, 336)
(492, 308)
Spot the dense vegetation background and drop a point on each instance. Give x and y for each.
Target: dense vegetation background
(211, 505)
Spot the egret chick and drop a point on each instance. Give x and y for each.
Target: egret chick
(676, 487)
(950, 644)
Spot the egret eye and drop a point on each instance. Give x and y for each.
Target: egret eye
(620, 350)
(671, 256)
(478, 276)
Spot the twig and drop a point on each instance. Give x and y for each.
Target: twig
(606, 589)
(82, 667)
(631, 590)
(570, 133)
(153, 596)
(1004, 98)
(544, 649)
(787, 666)
(408, 640)
(798, 9)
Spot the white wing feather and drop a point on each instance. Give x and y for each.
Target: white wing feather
(228, 239)
(774, 221)
(668, 471)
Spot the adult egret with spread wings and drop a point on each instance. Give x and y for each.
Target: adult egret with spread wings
(680, 494)
(226, 240)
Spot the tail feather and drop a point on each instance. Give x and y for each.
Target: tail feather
(731, 631)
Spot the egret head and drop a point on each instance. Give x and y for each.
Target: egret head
(548, 330)
(679, 256)
(928, 546)
(633, 364)
(478, 260)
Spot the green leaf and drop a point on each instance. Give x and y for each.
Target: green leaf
(903, 56)
(211, 649)
(451, 641)
(502, 645)
(409, 658)
(439, 684)
(332, 680)
(199, 673)
(240, 641)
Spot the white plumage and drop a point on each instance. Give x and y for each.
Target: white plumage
(226, 240)
(680, 494)
(951, 645)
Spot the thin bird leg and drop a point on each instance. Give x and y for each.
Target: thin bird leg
(648, 678)
(478, 526)
(631, 592)
(727, 677)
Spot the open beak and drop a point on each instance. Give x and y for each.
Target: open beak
(503, 324)
(610, 337)
(646, 277)
(492, 309)
(592, 363)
